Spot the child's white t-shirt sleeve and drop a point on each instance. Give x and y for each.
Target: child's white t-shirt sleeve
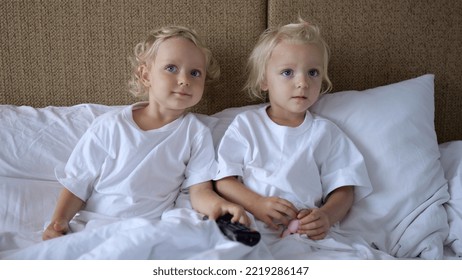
(343, 166)
(202, 165)
(83, 166)
(231, 154)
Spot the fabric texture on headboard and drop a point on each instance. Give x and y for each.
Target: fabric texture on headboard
(66, 52)
(375, 43)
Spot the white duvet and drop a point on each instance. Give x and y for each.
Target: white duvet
(181, 234)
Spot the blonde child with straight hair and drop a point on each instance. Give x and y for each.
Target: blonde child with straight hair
(294, 171)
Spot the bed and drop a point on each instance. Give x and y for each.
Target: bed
(395, 66)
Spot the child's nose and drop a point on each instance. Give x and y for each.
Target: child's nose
(302, 82)
(183, 80)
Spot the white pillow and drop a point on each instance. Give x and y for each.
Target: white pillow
(36, 140)
(393, 127)
(451, 159)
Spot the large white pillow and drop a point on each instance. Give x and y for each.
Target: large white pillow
(36, 140)
(451, 159)
(393, 126)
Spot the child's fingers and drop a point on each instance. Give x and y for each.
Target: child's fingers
(51, 233)
(214, 215)
(61, 227)
(303, 213)
(244, 219)
(286, 211)
(317, 236)
(240, 216)
(290, 209)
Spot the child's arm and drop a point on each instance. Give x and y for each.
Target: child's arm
(271, 210)
(68, 205)
(316, 222)
(206, 201)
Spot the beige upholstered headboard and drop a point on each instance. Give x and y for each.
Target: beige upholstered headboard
(65, 52)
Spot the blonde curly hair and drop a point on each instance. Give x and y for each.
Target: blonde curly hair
(145, 52)
(302, 32)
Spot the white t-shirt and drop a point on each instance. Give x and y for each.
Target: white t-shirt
(122, 171)
(301, 164)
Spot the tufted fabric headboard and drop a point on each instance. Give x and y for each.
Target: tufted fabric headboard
(66, 52)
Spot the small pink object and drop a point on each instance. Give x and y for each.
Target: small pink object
(291, 228)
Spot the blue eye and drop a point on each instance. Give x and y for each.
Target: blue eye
(313, 72)
(196, 73)
(287, 72)
(171, 68)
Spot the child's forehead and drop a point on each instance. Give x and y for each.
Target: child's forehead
(179, 47)
(296, 42)
(177, 42)
(287, 54)
(286, 47)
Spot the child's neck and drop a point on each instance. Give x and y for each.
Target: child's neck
(148, 118)
(288, 119)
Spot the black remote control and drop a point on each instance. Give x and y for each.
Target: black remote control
(237, 231)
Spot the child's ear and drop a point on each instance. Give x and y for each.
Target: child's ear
(264, 85)
(144, 75)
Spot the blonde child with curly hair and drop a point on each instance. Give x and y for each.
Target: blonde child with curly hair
(135, 161)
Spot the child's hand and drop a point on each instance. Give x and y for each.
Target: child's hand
(274, 211)
(314, 223)
(238, 212)
(55, 229)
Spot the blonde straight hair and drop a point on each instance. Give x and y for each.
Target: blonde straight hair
(301, 32)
